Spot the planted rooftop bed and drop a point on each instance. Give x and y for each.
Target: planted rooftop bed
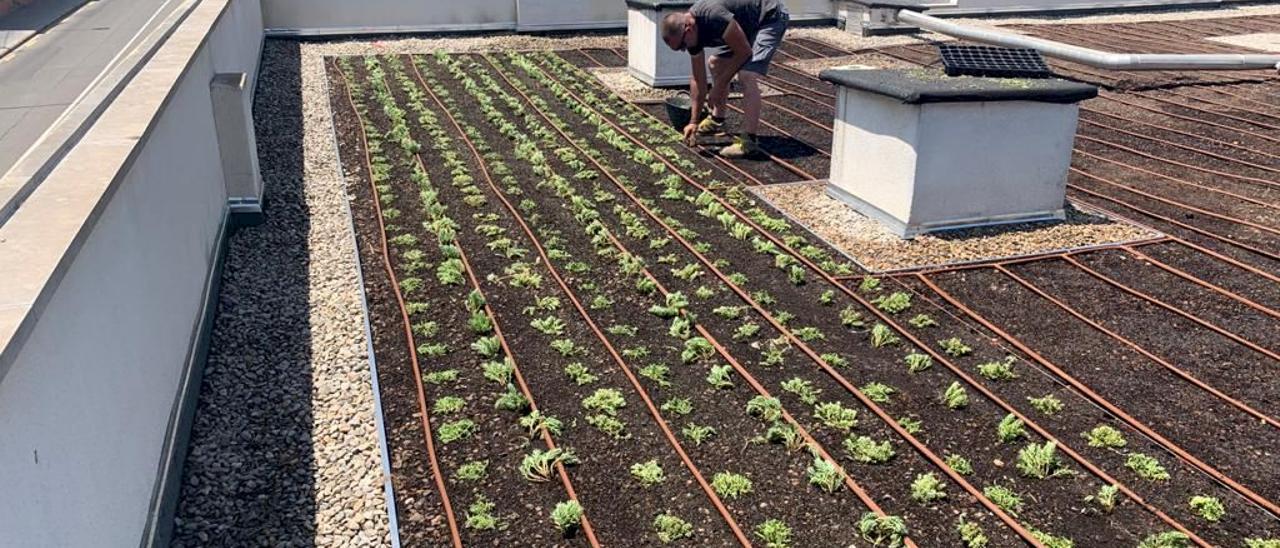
(590, 334)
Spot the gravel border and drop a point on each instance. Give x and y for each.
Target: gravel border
(877, 250)
(284, 448)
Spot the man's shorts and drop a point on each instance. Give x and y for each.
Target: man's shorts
(766, 43)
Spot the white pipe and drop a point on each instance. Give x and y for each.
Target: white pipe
(1093, 57)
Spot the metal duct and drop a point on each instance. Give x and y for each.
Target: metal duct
(1093, 57)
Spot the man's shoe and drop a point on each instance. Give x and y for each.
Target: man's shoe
(711, 126)
(743, 145)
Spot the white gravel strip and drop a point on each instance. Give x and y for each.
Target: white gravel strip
(284, 450)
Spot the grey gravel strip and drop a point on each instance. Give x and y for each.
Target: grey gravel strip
(284, 450)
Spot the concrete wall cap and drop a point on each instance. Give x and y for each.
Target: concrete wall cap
(659, 4)
(918, 86)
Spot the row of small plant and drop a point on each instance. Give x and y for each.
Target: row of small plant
(495, 365)
(696, 349)
(1036, 459)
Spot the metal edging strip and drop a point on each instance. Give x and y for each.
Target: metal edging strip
(379, 425)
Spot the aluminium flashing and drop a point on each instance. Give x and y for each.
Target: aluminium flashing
(40, 240)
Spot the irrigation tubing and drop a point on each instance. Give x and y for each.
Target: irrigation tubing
(1142, 427)
(1180, 312)
(746, 297)
(613, 352)
(1188, 148)
(1217, 142)
(1181, 373)
(454, 534)
(884, 318)
(1201, 282)
(1115, 98)
(591, 57)
(1136, 152)
(1176, 180)
(1176, 203)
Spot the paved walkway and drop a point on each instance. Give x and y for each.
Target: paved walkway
(44, 75)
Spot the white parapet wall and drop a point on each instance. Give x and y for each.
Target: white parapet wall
(108, 269)
(337, 17)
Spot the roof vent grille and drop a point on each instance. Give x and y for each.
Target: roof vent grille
(993, 62)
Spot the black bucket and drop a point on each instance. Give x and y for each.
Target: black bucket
(679, 110)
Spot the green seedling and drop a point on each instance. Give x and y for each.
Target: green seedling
(882, 335)
(835, 415)
(604, 400)
(1005, 498)
(768, 409)
(893, 303)
(671, 528)
(802, 389)
(720, 376)
(452, 431)
(648, 473)
(869, 284)
(955, 396)
(511, 400)
(730, 485)
(703, 292)
(440, 377)
(729, 312)
(955, 347)
(1105, 497)
(1167, 539)
(1262, 543)
(834, 359)
(825, 474)
(678, 406)
(921, 321)
(851, 318)
(635, 352)
(960, 464)
(1105, 436)
(487, 347)
(433, 350)
(998, 370)
(448, 405)
(911, 424)
(774, 533)
(480, 323)
(887, 530)
(610, 425)
(538, 465)
(622, 330)
(1010, 428)
(1047, 404)
(1209, 508)
(1040, 461)
(696, 348)
(917, 362)
(499, 372)
(1146, 467)
(657, 373)
(783, 434)
(878, 392)
(809, 334)
(865, 450)
(971, 534)
(927, 488)
(566, 347)
(474, 470)
(535, 421)
(746, 331)
(697, 434)
(579, 374)
(681, 327)
(567, 516)
(827, 297)
(480, 515)
(1050, 540)
(549, 325)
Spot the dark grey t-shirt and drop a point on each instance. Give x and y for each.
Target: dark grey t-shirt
(713, 18)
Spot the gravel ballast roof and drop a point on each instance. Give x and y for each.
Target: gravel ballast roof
(284, 449)
(876, 248)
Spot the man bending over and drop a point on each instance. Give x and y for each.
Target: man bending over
(745, 35)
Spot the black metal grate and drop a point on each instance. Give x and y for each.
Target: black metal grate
(993, 62)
